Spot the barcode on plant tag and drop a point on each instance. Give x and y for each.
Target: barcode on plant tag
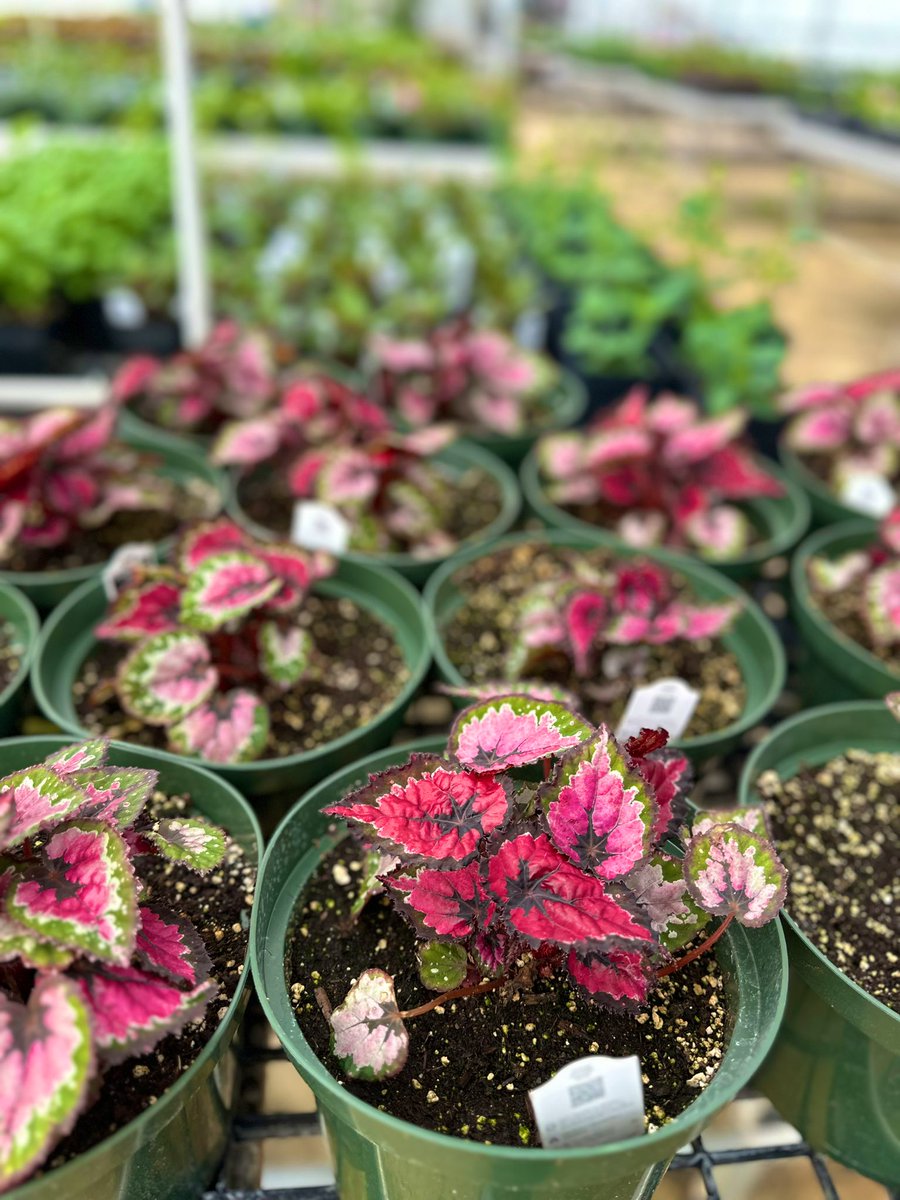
(584, 1093)
(666, 703)
(589, 1102)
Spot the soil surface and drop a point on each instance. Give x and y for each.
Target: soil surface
(844, 609)
(473, 502)
(838, 830)
(472, 1064)
(10, 654)
(362, 670)
(480, 634)
(218, 905)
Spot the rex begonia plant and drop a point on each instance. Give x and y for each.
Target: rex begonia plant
(479, 378)
(871, 576)
(61, 470)
(338, 448)
(231, 375)
(852, 429)
(659, 473)
(209, 634)
(90, 973)
(629, 605)
(506, 877)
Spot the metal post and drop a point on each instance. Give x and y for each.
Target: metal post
(194, 298)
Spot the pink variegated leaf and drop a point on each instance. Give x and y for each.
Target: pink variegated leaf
(877, 420)
(544, 898)
(285, 655)
(641, 586)
(92, 435)
(600, 813)
(134, 376)
(448, 903)
(751, 816)
(490, 949)
(375, 868)
(19, 944)
(512, 731)
(90, 753)
(296, 569)
(442, 965)
(400, 356)
(416, 406)
(166, 677)
(616, 979)
(367, 1034)
(820, 429)
(585, 614)
(141, 610)
(561, 455)
(116, 794)
(132, 1010)
(615, 445)
(428, 809)
(230, 727)
(667, 775)
(35, 799)
(735, 474)
(704, 439)
(497, 412)
(304, 475)
(192, 841)
(225, 586)
(70, 491)
(881, 597)
(643, 528)
(46, 1066)
(348, 477)
(706, 620)
(831, 575)
(423, 443)
(170, 946)
(670, 414)
(719, 533)
(81, 893)
(878, 381)
(733, 872)
(246, 443)
(206, 538)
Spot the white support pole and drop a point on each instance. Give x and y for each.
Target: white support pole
(194, 298)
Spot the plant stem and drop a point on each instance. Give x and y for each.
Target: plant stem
(697, 951)
(476, 990)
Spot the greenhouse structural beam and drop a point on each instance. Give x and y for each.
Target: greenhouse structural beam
(194, 296)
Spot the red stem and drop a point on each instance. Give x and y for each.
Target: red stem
(476, 990)
(697, 951)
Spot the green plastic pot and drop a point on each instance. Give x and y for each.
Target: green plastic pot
(826, 508)
(173, 1149)
(45, 589)
(378, 1157)
(68, 638)
(18, 611)
(752, 638)
(461, 456)
(834, 1070)
(783, 519)
(841, 668)
(566, 406)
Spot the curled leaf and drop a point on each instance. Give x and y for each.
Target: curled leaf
(228, 728)
(170, 946)
(141, 610)
(733, 872)
(367, 1034)
(616, 978)
(450, 903)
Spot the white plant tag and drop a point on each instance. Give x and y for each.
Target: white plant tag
(122, 562)
(124, 309)
(317, 526)
(589, 1102)
(869, 493)
(665, 703)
